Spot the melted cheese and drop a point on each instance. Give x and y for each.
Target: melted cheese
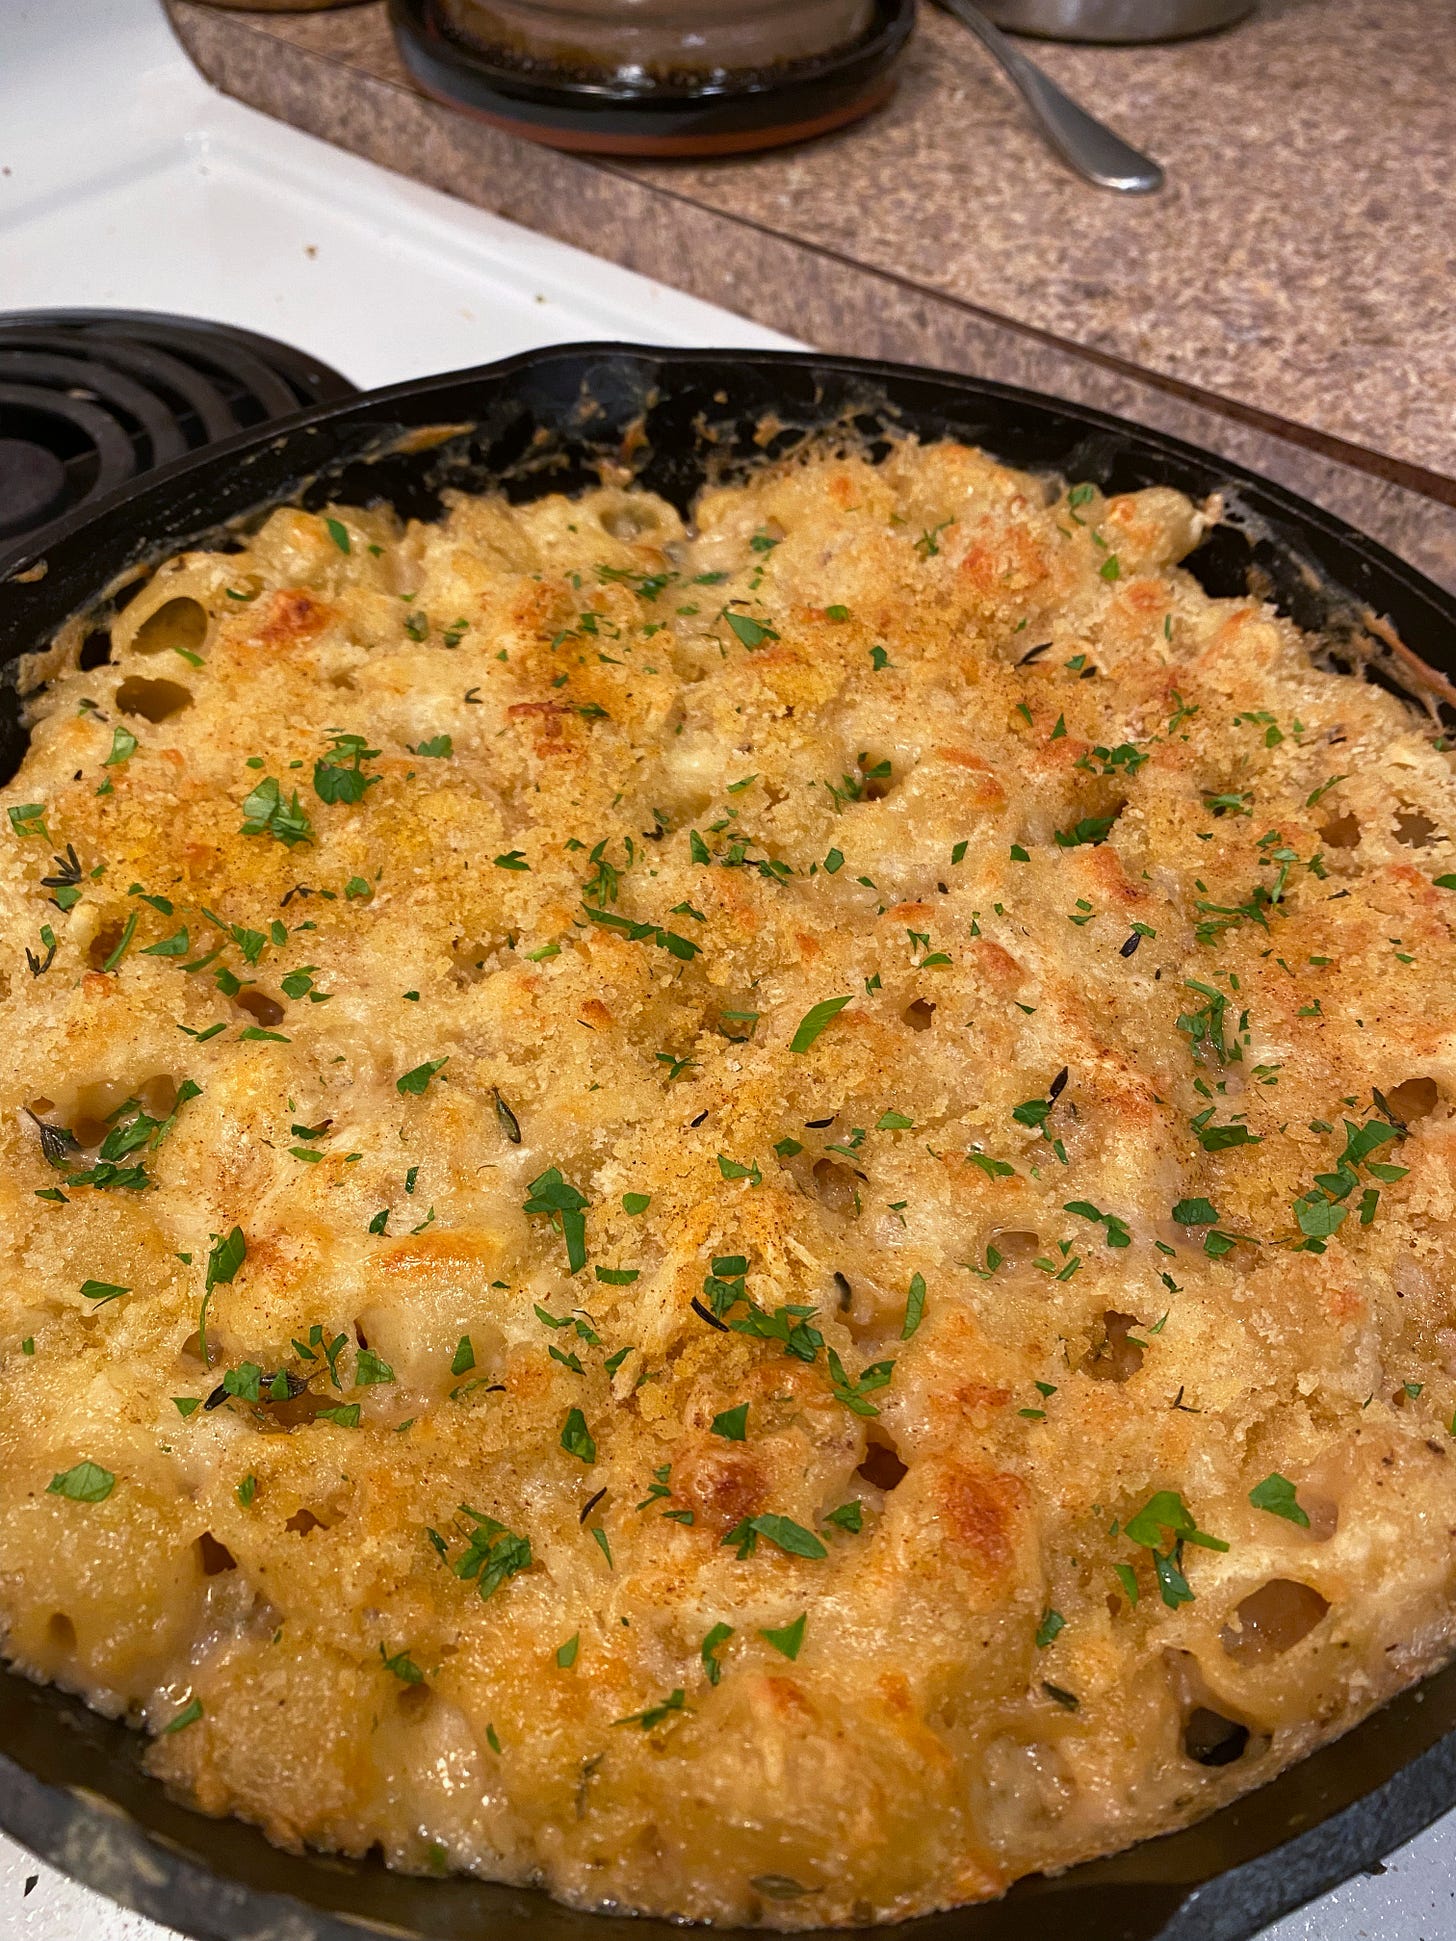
(1125, 904)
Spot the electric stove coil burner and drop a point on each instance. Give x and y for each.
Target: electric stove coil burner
(92, 398)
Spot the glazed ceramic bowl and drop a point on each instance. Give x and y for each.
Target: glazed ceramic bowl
(657, 77)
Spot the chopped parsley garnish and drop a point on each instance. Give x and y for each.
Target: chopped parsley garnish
(189, 1715)
(733, 1169)
(566, 1653)
(1035, 1113)
(853, 1393)
(1276, 1494)
(782, 1531)
(1125, 758)
(402, 1666)
(565, 1207)
(88, 1482)
(493, 1554)
(726, 1289)
(732, 1424)
(265, 813)
(928, 544)
(177, 945)
(102, 1291)
(789, 1639)
(1196, 1213)
(245, 1382)
(992, 1168)
(655, 1714)
(814, 1020)
(914, 1306)
(28, 819)
(1117, 1232)
(576, 1438)
(712, 1644)
(414, 1084)
(751, 632)
(123, 943)
(315, 1346)
(339, 533)
(1165, 1517)
(683, 948)
(134, 1179)
(1090, 829)
(338, 774)
(1214, 1138)
(1319, 1212)
(1263, 719)
(1204, 1028)
(635, 1203)
(1051, 1626)
(228, 1253)
(849, 1516)
(1216, 918)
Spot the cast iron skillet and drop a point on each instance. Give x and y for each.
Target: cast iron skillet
(71, 1784)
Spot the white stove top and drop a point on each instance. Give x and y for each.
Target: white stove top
(125, 182)
(129, 183)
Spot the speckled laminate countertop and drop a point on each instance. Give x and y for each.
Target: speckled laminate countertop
(1301, 259)
(1287, 299)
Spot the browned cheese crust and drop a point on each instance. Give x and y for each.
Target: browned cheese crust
(637, 1442)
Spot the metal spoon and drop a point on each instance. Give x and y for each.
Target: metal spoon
(1089, 145)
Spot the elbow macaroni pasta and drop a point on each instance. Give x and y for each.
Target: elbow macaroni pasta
(752, 1219)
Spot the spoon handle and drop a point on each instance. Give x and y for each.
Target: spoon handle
(1089, 145)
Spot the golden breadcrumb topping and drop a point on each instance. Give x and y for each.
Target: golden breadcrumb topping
(751, 1220)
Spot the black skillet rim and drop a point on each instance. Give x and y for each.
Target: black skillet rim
(71, 1786)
